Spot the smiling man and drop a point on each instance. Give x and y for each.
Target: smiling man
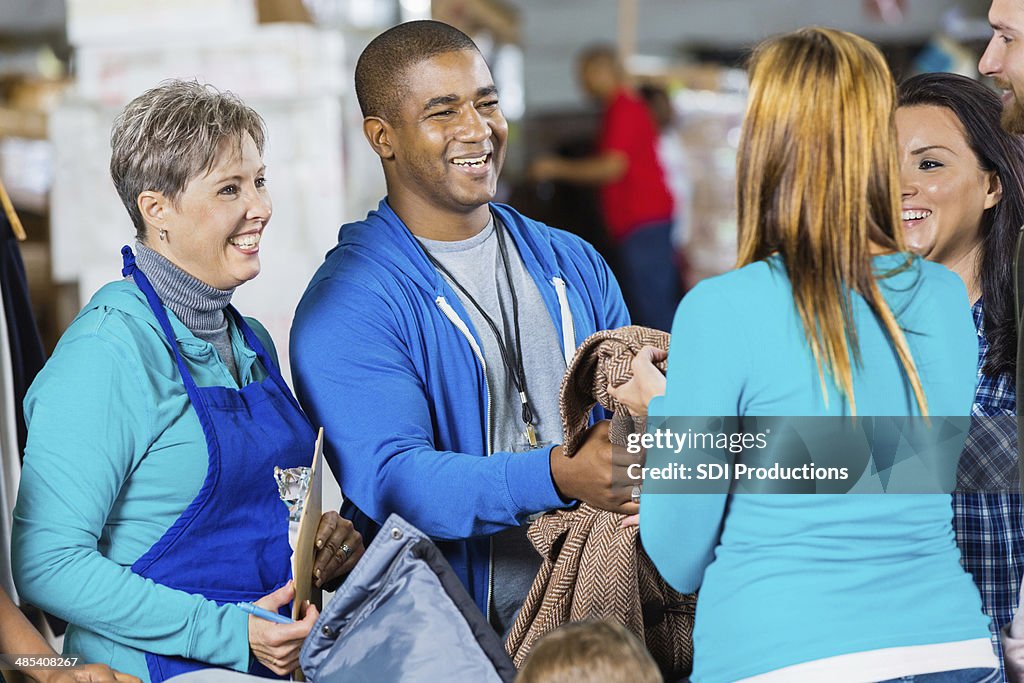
(1003, 60)
(432, 342)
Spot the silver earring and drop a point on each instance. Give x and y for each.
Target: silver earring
(163, 235)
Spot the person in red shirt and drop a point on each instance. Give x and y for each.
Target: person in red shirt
(635, 199)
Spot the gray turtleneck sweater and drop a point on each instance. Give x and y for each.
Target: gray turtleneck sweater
(198, 305)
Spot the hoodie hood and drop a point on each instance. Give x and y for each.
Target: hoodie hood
(125, 297)
(382, 237)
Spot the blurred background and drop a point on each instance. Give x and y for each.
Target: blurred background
(68, 66)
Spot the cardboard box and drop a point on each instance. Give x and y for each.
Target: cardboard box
(274, 61)
(106, 22)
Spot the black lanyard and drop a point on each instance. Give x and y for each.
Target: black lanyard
(513, 364)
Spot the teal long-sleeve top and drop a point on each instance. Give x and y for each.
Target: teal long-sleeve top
(115, 454)
(786, 579)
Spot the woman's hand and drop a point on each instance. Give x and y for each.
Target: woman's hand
(18, 635)
(339, 547)
(646, 382)
(87, 673)
(277, 646)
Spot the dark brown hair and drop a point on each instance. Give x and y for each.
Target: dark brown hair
(978, 110)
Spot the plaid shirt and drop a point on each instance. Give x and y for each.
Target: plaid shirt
(990, 526)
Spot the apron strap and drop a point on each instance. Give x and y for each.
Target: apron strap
(253, 340)
(130, 269)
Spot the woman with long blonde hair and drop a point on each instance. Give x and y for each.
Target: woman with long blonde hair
(826, 315)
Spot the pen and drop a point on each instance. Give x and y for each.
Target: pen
(263, 613)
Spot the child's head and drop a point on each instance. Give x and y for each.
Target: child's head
(589, 652)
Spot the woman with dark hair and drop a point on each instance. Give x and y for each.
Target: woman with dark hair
(963, 204)
(812, 323)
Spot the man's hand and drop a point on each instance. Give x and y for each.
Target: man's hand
(545, 169)
(603, 168)
(277, 646)
(596, 474)
(339, 547)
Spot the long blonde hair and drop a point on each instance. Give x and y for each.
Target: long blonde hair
(818, 182)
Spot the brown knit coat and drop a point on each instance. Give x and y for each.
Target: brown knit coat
(593, 568)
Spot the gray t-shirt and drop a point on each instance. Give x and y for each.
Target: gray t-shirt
(477, 265)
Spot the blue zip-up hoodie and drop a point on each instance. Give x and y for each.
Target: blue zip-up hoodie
(385, 357)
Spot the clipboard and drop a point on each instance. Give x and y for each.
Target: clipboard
(305, 551)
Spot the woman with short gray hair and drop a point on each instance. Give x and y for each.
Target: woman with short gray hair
(148, 516)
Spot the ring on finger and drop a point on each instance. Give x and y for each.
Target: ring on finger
(635, 494)
(345, 549)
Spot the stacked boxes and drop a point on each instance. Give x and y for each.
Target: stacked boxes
(709, 131)
(108, 22)
(272, 61)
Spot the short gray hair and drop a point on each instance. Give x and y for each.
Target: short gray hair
(171, 134)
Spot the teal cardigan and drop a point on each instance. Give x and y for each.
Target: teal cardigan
(115, 454)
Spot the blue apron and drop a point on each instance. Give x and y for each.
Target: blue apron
(231, 542)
